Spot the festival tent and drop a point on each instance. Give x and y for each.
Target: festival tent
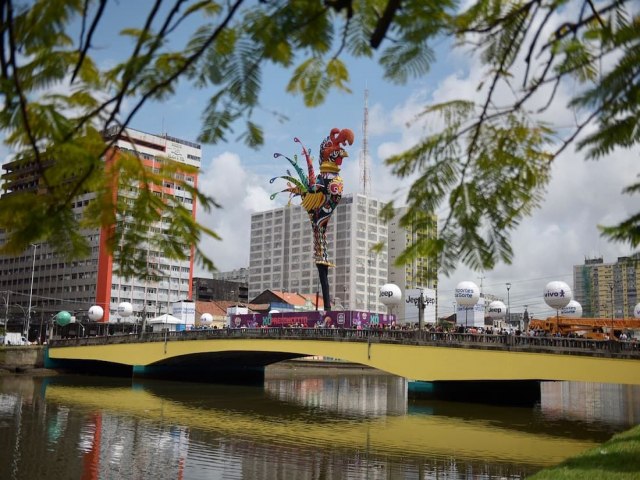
(167, 321)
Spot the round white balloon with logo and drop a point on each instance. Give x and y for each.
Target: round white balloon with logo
(95, 313)
(125, 309)
(557, 294)
(206, 318)
(467, 294)
(572, 310)
(390, 294)
(636, 311)
(497, 309)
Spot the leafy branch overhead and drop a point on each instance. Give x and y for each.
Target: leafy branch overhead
(487, 166)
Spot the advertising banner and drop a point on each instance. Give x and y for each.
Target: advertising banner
(331, 319)
(185, 311)
(411, 298)
(471, 316)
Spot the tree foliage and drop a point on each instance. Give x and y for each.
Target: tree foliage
(488, 164)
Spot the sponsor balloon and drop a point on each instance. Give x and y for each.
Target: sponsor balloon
(572, 310)
(497, 309)
(636, 311)
(95, 313)
(557, 294)
(206, 318)
(63, 318)
(390, 294)
(125, 309)
(467, 294)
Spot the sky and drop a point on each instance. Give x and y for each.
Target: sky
(560, 234)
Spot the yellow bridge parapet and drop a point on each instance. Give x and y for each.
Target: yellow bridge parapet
(414, 355)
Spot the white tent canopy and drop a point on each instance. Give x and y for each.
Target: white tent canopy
(166, 318)
(166, 321)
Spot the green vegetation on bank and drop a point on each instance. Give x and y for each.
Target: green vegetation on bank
(617, 459)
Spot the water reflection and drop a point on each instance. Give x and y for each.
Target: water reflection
(333, 426)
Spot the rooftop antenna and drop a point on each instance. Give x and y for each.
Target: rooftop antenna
(365, 180)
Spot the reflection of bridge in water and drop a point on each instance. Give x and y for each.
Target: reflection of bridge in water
(204, 408)
(415, 355)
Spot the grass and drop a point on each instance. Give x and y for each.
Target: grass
(617, 459)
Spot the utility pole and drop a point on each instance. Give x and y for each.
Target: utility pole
(481, 278)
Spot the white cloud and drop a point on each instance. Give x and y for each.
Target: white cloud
(239, 193)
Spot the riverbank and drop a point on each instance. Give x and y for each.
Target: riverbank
(616, 459)
(22, 359)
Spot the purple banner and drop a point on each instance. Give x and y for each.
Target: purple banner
(332, 319)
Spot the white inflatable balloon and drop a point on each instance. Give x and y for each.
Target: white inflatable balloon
(636, 311)
(390, 294)
(95, 313)
(467, 294)
(557, 294)
(125, 309)
(572, 310)
(497, 309)
(206, 318)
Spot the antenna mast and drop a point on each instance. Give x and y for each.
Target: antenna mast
(365, 179)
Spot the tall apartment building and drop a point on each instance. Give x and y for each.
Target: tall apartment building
(421, 272)
(76, 285)
(607, 289)
(281, 253)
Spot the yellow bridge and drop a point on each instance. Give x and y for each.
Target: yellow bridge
(415, 355)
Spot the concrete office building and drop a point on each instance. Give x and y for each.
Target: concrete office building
(210, 289)
(420, 273)
(76, 285)
(281, 253)
(607, 289)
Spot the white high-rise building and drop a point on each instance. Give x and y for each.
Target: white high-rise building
(281, 253)
(421, 272)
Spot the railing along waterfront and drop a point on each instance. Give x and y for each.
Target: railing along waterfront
(508, 342)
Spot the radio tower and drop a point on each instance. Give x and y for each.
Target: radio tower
(365, 180)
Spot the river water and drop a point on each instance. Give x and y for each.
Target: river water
(303, 423)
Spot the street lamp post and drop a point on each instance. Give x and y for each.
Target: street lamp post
(24, 313)
(508, 303)
(33, 269)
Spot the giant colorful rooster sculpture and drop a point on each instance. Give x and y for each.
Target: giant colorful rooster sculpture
(320, 194)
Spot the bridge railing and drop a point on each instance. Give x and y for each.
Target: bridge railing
(573, 346)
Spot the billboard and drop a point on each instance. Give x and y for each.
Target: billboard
(185, 311)
(471, 316)
(411, 298)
